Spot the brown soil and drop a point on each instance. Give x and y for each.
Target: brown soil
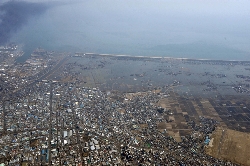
(230, 145)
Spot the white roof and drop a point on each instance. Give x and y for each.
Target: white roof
(92, 147)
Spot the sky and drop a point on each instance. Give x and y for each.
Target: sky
(181, 28)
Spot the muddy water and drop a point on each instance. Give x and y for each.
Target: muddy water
(195, 78)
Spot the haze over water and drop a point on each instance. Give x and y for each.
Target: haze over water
(187, 29)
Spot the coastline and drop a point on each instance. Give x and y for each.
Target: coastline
(77, 54)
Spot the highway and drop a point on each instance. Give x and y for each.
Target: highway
(40, 78)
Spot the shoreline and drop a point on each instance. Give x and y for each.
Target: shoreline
(78, 54)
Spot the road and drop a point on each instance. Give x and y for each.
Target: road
(40, 78)
(50, 120)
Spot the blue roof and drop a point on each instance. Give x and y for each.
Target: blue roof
(207, 140)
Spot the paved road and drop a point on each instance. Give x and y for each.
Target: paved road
(50, 120)
(42, 77)
(8, 96)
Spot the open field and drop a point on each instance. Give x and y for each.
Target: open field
(231, 145)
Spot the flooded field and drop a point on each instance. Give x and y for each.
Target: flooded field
(186, 77)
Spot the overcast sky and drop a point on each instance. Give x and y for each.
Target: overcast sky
(127, 26)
